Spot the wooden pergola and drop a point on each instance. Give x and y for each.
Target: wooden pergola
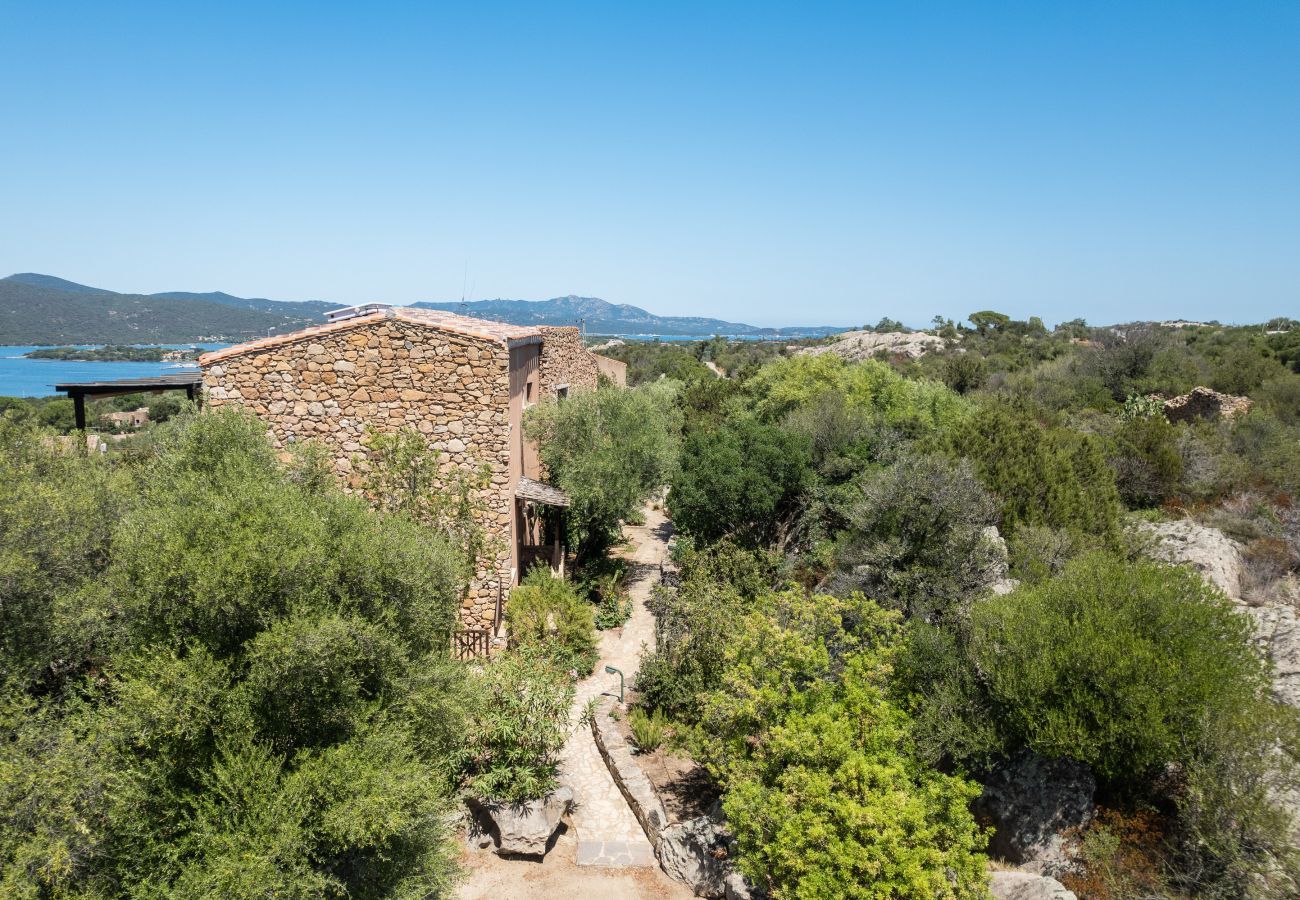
(189, 382)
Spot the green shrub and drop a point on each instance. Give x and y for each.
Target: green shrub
(517, 727)
(916, 407)
(1117, 664)
(648, 729)
(1148, 467)
(609, 449)
(694, 621)
(820, 789)
(915, 539)
(601, 582)
(744, 480)
(547, 616)
(227, 683)
(1037, 552)
(1041, 475)
(613, 610)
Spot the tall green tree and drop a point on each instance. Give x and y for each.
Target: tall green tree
(609, 449)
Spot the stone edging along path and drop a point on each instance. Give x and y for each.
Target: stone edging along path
(632, 782)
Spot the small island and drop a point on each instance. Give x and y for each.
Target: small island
(114, 353)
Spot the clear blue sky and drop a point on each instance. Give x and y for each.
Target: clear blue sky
(802, 163)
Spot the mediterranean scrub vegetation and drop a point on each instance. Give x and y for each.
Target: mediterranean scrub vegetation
(220, 676)
(896, 577)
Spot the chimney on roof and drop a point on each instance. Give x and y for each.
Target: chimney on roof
(351, 312)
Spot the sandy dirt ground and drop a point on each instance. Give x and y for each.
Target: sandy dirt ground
(493, 878)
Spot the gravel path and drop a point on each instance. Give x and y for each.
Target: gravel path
(603, 852)
(607, 832)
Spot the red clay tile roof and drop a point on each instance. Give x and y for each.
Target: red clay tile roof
(499, 332)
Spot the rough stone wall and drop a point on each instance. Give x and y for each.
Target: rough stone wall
(384, 376)
(566, 361)
(1204, 403)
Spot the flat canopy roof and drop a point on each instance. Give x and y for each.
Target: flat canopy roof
(133, 385)
(189, 382)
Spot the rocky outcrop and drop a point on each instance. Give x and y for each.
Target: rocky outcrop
(1208, 550)
(523, 829)
(737, 887)
(1000, 582)
(1278, 632)
(1032, 802)
(1027, 886)
(859, 345)
(695, 853)
(1204, 403)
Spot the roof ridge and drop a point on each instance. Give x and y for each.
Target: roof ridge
(445, 321)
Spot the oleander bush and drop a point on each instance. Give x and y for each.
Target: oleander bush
(518, 723)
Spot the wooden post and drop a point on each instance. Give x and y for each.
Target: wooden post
(79, 410)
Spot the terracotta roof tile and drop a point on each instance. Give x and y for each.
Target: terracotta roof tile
(449, 321)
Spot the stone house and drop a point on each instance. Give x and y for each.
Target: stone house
(131, 419)
(463, 383)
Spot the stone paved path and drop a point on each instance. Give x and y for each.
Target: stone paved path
(607, 832)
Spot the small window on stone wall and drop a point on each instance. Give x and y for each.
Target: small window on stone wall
(561, 391)
(528, 394)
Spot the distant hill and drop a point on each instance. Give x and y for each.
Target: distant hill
(43, 309)
(602, 317)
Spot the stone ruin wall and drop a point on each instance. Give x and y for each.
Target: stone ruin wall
(386, 376)
(1204, 403)
(613, 369)
(566, 361)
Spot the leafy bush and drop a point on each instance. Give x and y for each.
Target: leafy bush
(546, 615)
(916, 407)
(613, 610)
(819, 787)
(648, 729)
(743, 480)
(227, 683)
(601, 582)
(694, 622)
(1119, 665)
(517, 727)
(1148, 467)
(1036, 552)
(1041, 475)
(916, 538)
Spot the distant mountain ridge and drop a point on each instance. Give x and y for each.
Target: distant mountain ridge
(45, 309)
(602, 317)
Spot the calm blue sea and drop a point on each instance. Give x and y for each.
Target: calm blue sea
(21, 377)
